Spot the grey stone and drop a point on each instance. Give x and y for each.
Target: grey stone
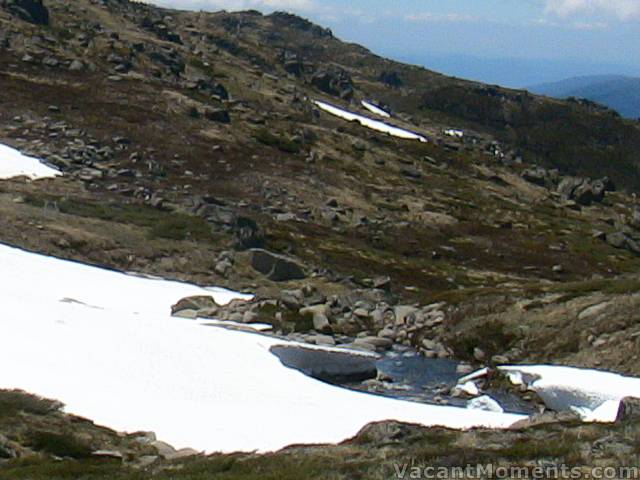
(278, 268)
(195, 303)
(635, 218)
(479, 354)
(51, 62)
(387, 332)
(361, 313)
(624, 241)
(76, 66)
(223, 267)
(108, 454)
(167, 452)
(377, 344)
(320, 316)
(292, 299)
(537, 176)
(629, 410)
(322, 340)
(405, 314)
(429, 344)
(249, 317)
(321, 323)
(187, 313)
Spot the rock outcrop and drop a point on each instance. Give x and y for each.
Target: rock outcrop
(33, 11)
(278, 268)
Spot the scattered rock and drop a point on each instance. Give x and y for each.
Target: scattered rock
(623, 241)
(582, 190)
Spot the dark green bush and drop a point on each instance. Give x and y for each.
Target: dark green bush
(13, 402)
(59, 444)
(282, 143)
(182, 227)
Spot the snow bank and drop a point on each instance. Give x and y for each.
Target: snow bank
(104, 343)
(594, 394)
(375, 109)
(369, 123)
(15, 164)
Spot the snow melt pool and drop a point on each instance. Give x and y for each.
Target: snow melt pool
(104, 343)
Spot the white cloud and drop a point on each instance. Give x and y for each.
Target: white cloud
(288, 5)
(546, 22)
(433, 17)
(589, 25)
(624, 9)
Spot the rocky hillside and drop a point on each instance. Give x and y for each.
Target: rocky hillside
(191, 148)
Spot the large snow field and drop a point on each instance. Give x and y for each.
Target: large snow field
(104, 343)
(15, 164)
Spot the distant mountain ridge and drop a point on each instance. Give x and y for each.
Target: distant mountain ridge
(618, 92)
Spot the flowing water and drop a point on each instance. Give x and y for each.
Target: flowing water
(410, 376)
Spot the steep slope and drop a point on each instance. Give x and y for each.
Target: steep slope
(616, 92)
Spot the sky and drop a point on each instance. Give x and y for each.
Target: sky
(511, 42)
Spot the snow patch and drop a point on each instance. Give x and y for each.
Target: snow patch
(375, 109)
(15, 164)
(369, 123)
(454, 133)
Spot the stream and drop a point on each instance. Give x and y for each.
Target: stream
(413, 377)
